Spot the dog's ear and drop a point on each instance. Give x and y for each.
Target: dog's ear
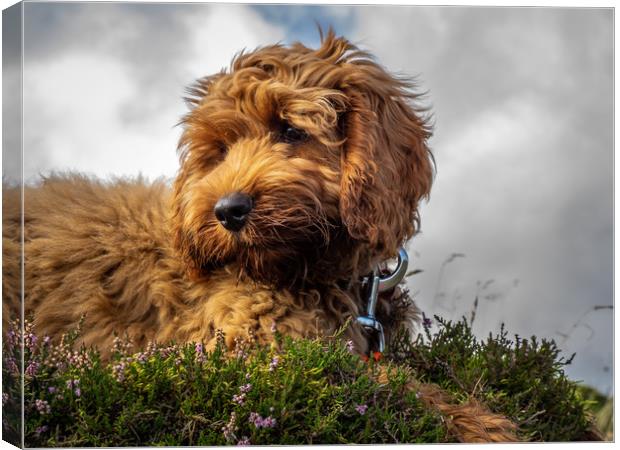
(386, 165)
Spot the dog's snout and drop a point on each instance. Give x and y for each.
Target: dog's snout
(232, 211)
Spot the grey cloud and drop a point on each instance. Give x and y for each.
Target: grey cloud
(126, 66)
(148, 39)
(11, 89)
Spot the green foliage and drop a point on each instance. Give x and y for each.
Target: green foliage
(601, 407)
(293, 392)
(297, 392)
(523, 379)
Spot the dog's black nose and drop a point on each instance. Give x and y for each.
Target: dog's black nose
(232, 211)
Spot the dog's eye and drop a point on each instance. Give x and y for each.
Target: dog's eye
(292, 135)
(222, 147)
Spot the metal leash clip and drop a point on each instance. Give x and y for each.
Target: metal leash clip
(376, 284)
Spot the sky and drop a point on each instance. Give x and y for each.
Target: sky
(520, 215)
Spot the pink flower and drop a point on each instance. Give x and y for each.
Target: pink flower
(260, 422)
(239, 399)
(200, 352)
(12, 365)
(350, 346)
(42, 406)
(361, 409)
(230, 427)
(32, 368)
(244, 441)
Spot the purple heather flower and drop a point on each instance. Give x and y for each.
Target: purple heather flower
(245, 388)
(239, 399)
(42, 406)
(12, 338)
(51, 389)
(244, 441)
(119, 371)
(12, 365)
(361, 409)
(46, 340)
(40, 430)
(78, 392)
(274, 363)
(350, 346)
(230, 427)
(269, 422)
(260, 422)
(32, 368)
(30, 341)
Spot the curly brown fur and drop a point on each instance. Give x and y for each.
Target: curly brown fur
(330, 201)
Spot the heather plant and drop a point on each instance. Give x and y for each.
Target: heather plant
(524, 379)
(295, 392)
(292, 392)
(11, 383)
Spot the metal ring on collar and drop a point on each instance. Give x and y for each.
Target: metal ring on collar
(399, 273)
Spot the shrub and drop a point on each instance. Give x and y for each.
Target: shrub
(299, 392)
(292, 392)
(522, 379)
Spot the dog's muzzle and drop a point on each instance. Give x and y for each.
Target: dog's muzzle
(232, 211)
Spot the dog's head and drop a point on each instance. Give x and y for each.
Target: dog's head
(296, 159)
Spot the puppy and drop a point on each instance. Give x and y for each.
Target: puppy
(301, 171)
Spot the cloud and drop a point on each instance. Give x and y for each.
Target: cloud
(104, 83)
(11, 93)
